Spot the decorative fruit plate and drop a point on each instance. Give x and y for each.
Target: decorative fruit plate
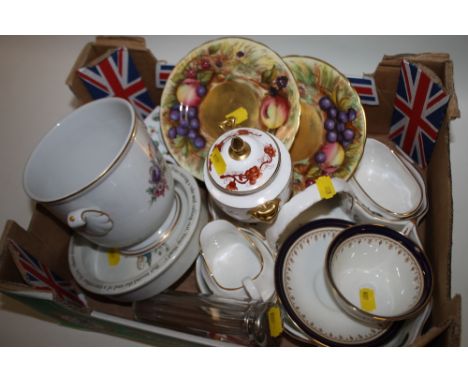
(216, 79)
(332, 130)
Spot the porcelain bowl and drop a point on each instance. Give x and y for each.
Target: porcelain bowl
(308, 303)
(377, 274)
(386, 184)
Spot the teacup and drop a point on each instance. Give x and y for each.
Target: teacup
(377, 274)
(99, 172)
(235, 265)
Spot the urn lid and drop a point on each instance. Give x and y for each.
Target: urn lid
(243, 160)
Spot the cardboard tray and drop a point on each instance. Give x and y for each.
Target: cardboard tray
(47, 239)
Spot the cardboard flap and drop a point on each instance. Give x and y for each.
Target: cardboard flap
(448, 331)
(137, 43)
(52, 253)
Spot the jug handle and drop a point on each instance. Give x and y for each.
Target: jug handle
(297, 205)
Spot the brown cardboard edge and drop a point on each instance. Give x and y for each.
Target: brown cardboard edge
(448, 332)
(72, 80)
(131, 42)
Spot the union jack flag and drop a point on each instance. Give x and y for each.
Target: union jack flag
(365, 88)
(117, 76)
(162, 74)
(418, 112)
(41, 277)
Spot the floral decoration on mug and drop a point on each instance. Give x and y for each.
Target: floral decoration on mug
(157, 180)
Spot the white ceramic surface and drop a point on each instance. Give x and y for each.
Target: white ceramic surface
(230, 256)
(297, 205)
(98, 171)
(200, 278)
(378, 274)
(263, 152)
(275, 185)
(405, 336)
(264, 283)
(387, 184)
(302, 288)
(131, 278)
(153, 125)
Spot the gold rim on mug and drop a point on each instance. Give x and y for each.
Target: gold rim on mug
(115, 161)
(257, 252)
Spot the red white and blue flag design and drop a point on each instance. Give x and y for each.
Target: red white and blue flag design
(117, 76)
(41, 277)
(418, 112)
(163, 71)
(365, 88)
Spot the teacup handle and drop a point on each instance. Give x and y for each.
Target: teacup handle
(93, 221)
(251, 289)
(297, 205)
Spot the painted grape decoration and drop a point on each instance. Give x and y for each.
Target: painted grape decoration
(339, 135)
(186, 123)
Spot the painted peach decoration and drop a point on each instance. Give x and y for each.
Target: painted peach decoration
(217, 78)
(332, 129)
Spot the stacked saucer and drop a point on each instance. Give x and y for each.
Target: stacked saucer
(129, 278)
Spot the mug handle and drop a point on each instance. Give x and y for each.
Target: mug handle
(93, 221)
(297, 205)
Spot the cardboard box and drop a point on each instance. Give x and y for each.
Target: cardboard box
(94, 52)
(47, 239)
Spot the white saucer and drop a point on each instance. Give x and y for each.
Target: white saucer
(160, 236)
(266, 277)
(132, 278)
(302, 289)
(405, 336)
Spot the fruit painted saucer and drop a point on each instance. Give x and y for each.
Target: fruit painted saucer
(213, 81)
(332, 131)
(132, 278)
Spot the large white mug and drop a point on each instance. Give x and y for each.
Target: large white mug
(99, 172)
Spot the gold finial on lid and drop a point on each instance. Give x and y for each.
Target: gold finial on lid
(239, 149)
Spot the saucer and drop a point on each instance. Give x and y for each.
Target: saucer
(301, 287)
(158, 237)
(131, 278)
(266, 277)
(405, 336)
